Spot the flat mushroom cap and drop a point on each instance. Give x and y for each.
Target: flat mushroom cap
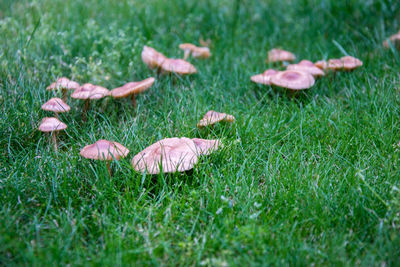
(90, 91)
(351, 63)
(293, 79)
(50, 124)
(152, 58)
(178, 66)
(264, 78)
(212, 117)
(307, 66)
(104, 150)
(321, 64)
(56, 105)
(63, 83)
(132, 88)
(276, 55)
(173, 154)
(206, 147)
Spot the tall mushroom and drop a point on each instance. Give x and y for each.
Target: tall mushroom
(264, 78)
(89, 92)
(64, 84)
(56, 105)
(52, 125)
(212, 117)
(197, 52)
(293, 80)
(307, 66)
(104, 150)
(278, 55)
(168, 156)
(132, 89)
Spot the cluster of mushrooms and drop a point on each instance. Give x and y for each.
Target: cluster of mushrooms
(301, 75)
(181, 154)
(165, 156)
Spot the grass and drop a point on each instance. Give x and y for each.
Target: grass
(310, 180)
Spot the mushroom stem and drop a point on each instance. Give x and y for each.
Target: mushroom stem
(85, 109)
(54, 140)
(64, 94)
(108, 167)
(133, 100)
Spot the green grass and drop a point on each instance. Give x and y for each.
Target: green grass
(310, 180)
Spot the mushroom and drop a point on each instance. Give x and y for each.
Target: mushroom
(205, 146)
(293, 79)
(52, 125)
(265, 77)
(335, 64)
(132, 89)
(178, 66)
(307, 66)
(168, 156)
(351, 63)
(89, 92)
(104, 150)
(212, 117)
(152, 57)
(394, 39)
(321, 64)
(56, 105)
(277, 55)
(197, 52)
(64, 84)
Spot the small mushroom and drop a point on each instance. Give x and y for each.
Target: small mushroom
(89, 92)
(293, 80)
(178, 66)
(52, 125)
(278, 55)
(394, 39)
(152, 58)
(56, 105)
(307, 66)
(321, 64)
(212, 117)
(335, 64)
(132, 89)
(168, 156)
(64, 84)
(205, 146)
(265, 77)
(197, 52)
(351, 63)
(104, 150)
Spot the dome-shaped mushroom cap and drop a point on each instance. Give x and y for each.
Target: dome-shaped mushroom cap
(213, 117)
(173, 154)
(56, 105)
(50, 124)
(351, 63)
(104, 150)
(152, 58)
(335, 64)
(205, 146)
(321, 64)
(132, 88)
(306, 66)
(90, 91)
(63, 83)
(293, 79)
(276, 55)
(178, 66)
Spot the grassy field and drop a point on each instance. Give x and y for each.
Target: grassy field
(306, 180)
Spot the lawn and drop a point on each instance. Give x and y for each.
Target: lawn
(306, 179)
